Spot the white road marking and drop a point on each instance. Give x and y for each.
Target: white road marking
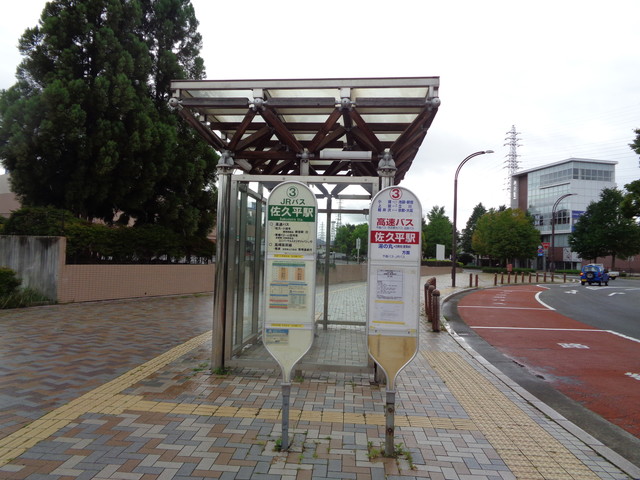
(544, 329)
(504, 308)
(542, 303)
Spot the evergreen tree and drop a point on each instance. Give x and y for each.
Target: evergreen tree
(86, 127)
(635, 146)
(437, 230)
(604, 230)
(631, 200)
(467, 234)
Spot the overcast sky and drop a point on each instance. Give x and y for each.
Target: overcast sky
(565, 73)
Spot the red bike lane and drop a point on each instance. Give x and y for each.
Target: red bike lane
(597, 368)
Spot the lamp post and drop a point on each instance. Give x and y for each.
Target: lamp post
(552, 260)
(454, 243)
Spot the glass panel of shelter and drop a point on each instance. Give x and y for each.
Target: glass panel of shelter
(245, 280)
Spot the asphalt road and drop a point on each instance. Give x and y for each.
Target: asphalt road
(615, 307)
(582, 369)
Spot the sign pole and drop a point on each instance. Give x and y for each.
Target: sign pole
(390, 431)
(286, 394)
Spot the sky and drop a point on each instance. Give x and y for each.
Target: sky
(565, 73)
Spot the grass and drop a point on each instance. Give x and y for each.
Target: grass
(25, 297)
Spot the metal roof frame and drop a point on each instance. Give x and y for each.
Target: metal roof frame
(326, 127)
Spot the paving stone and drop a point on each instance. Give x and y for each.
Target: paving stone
(148, 428)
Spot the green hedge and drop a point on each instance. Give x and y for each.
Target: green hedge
(430, 262)
(9, 282)
(504, 270)
(97, 243)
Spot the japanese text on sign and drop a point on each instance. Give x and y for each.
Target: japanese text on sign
(292, 213)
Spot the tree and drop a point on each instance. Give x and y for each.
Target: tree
(437, 230)
(346, 237)
(86, 127)
(635, 146)
(467, 234)
(506, 235)
(604, 230)
(631, 200)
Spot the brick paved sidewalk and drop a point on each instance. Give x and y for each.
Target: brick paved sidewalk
(168, 417)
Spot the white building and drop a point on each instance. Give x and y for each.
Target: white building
(538, 189)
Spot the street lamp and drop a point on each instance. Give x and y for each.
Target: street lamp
(553, 230)
(454, 243)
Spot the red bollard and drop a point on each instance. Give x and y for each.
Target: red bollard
(476, 280)
(470, 280)
(495, 279)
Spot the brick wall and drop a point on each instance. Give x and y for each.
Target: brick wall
(81, 283)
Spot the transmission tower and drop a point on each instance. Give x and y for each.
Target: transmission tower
(512, 157)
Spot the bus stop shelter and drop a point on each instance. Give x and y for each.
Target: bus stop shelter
(346, 138)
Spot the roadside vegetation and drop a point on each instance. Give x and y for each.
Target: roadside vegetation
(12, 296)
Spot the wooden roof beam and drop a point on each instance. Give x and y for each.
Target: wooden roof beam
(252, 140)
(237, 136)
(210, 137)
(324, 130)
(368, 134)
(281, 130)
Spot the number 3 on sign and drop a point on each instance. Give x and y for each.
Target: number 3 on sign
(395, 193)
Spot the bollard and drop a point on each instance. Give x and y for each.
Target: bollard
(552, 278)
(537, 276)
(515, 277)
(470, 280)
(495, 279)
(476, 280)
(564, 278)
(431, 300)
(545, 277)
(529, 277)
(436, 310)
(522, 277)
(426, 299)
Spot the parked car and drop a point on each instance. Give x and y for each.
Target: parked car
(612, 273)
(594, 274)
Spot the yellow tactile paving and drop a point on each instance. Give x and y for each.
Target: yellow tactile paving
(104, 399)
(511, 432)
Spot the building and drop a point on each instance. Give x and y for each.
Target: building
(569, 186)
(8, 201)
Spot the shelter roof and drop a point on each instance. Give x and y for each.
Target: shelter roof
(339, 126)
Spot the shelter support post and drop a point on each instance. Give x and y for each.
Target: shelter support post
(386, 170)
(225, 167)
(327, 250)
